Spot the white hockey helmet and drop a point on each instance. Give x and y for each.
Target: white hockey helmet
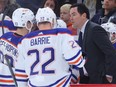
(46, 15)
(21, 16)
(109, 27)
(61, 24)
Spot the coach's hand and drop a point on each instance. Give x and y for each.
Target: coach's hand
(109, 78)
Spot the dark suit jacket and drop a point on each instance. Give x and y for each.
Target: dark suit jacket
(101, 55)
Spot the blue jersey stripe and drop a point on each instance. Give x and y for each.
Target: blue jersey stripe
(5, 76)
(3, 85)
(74, 56)
(68, 80)
(22, 80)
(51, 84)
(18, 70)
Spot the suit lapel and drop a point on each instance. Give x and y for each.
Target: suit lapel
(85, 36)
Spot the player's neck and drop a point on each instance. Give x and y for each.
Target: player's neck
(45, 27)
(22, 31)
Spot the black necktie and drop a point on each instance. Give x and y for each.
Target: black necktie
(80, 41)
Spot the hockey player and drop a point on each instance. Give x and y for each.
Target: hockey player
(7, 7)
(23, 21)
(111, 29)
(61, 24)
(6, 26)
(47, 54)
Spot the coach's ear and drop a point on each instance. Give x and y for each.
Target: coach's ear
(84, 15)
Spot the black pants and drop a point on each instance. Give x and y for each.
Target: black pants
(86, 80)
(114, 80)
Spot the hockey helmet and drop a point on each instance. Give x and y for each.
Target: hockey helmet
(21, 16)
(61, 24)
(109, 27)
(46, 15)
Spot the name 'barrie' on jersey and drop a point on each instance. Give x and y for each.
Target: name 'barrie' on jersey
(40, 41)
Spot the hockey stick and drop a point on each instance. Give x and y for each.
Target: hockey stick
(7, 61)
(2, 21)
(11, 71)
